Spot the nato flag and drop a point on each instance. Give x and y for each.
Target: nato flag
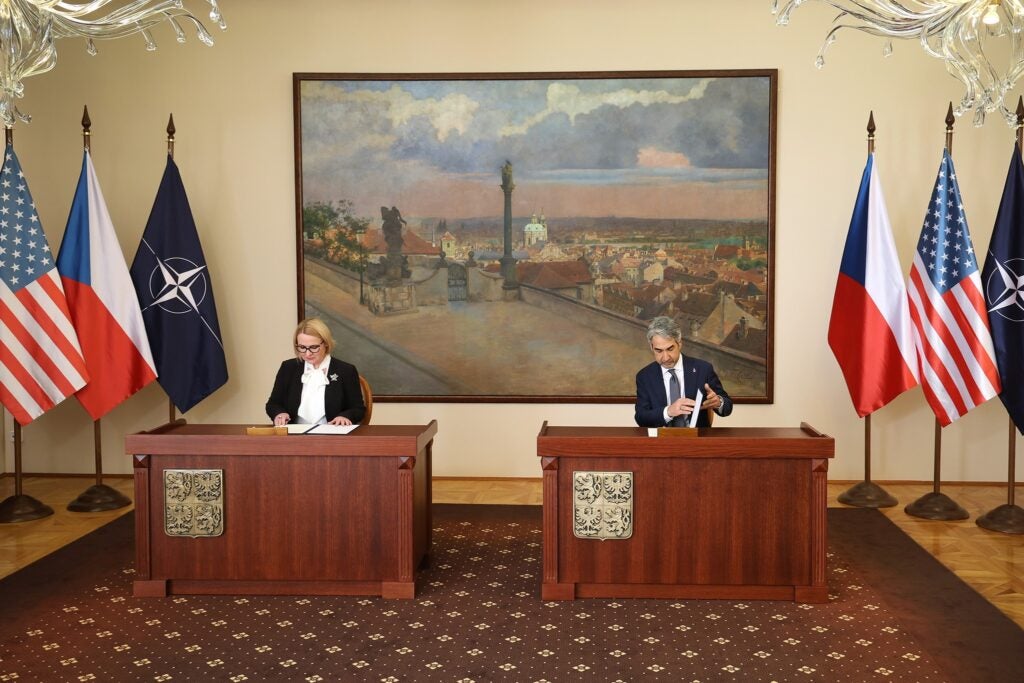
(176, 296)
(1003, 282)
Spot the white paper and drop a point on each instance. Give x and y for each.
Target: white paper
(652, 431)
(698, 399)
(320, 429)
(332, 429)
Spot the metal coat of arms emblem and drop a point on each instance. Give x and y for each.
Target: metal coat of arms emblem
(602, 505)
(194, 503)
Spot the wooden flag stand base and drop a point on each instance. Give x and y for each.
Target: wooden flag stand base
(21, 507)
(936, 505)
(867, 494)
(99, 496)
(1008, 518)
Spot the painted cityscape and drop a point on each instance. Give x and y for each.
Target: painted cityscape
(509, 238)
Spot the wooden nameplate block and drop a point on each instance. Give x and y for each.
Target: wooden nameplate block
(677, 431)
(266, 431)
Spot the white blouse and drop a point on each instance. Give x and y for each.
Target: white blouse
(314, 384)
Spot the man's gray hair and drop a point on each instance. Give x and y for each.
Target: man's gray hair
(664, 326)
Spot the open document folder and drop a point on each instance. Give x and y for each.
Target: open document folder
(320, 429)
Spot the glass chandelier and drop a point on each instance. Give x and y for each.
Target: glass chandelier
(978, 40)
(29, 29)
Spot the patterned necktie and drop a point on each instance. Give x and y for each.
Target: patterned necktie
(673, 394)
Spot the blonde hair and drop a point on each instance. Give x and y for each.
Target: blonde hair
(314, 327)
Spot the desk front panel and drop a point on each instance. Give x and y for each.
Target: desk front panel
(696, 521)
(293, 518)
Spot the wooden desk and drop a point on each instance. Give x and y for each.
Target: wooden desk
(302, 514)
(735, 513)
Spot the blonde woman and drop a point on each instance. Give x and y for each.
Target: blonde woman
(313, 387)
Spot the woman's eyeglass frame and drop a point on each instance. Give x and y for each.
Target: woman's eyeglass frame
(308, 349)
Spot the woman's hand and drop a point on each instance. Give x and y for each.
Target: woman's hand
(340, 421)
(282, 419)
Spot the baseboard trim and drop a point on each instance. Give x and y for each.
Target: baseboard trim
(850, 482)
(67, 475)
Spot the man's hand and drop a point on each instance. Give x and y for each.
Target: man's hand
(682, 406)
(340, 421)
(711, 400)
(282, 419)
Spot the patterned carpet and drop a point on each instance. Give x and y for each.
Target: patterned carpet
(478, 617)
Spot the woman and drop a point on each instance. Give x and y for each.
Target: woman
(315, 388)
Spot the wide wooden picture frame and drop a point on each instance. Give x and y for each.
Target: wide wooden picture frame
(507, 237)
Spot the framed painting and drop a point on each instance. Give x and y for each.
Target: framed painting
(508, 237)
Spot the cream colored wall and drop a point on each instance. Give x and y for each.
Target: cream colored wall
(233, 108)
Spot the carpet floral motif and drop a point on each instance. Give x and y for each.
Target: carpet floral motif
(477, 616)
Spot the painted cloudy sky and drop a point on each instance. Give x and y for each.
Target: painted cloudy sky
(648, 148)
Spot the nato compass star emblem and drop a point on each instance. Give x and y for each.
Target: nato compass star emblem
(1004, 291)
(179, 286)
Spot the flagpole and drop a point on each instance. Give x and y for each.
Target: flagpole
(98, 497)
(1009, 518)
(937, 505)
(20, 507)
(868, 494)
(171, 415)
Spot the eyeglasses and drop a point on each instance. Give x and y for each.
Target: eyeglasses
(308, 349)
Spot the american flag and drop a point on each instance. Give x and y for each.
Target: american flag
(40, 359)
(956, 358)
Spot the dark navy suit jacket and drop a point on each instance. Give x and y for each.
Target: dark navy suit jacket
(342, 396)
(651, 398)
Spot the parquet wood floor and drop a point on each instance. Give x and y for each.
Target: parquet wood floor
(992, 563)
(25, 542)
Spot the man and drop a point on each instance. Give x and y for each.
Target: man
(666, 389)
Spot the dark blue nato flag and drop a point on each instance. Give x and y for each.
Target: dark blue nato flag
(1003, 281)
(176, 297)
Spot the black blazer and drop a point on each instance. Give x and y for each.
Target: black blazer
(342, 396)
(650, 391)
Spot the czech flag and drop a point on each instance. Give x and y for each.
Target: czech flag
(870, 331)
(102, 301)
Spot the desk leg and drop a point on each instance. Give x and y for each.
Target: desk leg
(818, 590)
(141, 516)
(550, 588)
(405, 586)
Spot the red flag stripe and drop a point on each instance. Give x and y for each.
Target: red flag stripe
(36, 314)
(22, 388)
(961, 323)
(975, 350)
(25, 308)
(944, 416)
(950, 353)
(971, 306)
(30, 352)
(59, 317)
(934, 371)
(962, 327)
